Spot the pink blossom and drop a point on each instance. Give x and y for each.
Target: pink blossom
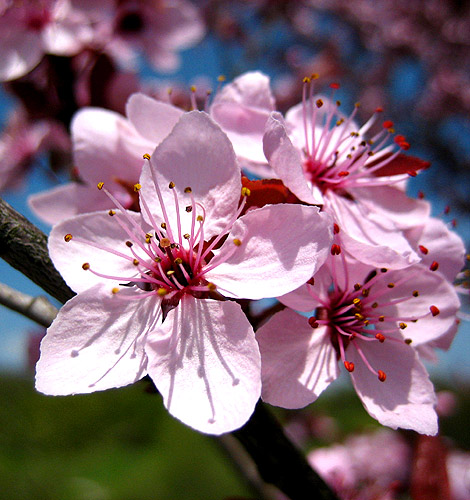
(159, 29)
(373, 321)
(107, 148)
(22, 141)
(32, 28)
(242, 109)
(324, 158)
(365, 467)
(152, 286)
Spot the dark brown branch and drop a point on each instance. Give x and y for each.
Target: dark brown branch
(278, 461)
(24, 247)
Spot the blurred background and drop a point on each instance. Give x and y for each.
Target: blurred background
(411, 58)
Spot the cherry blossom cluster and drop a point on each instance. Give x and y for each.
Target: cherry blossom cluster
(164, 236)
(29, 29)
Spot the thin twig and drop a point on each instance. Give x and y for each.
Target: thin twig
(38, 309)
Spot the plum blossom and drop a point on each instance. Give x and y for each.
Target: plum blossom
(107, 147)
(354, 470)
(21, 142)
(158, 29)
(153, 286)
(31, 28)
(324, 158)
(373, 321)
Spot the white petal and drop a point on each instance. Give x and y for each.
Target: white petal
(205, 362)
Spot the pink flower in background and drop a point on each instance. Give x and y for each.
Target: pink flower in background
(374, 321)
(324, 158)
(152, 287)
(22, 141)
(157, 28)
(366, 467)
(31, 28)
(107, 148)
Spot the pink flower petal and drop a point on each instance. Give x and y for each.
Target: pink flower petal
(67, 200)
(298, 362)
(281, 248)
(152, 119)
(98, 229)
(95, 343)
(406, 399)
(205, 362)
(441, 245)
(286, 161)
(434, 290)
(196, 154)
(107, 147)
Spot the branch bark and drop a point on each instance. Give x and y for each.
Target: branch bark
(38, 309)
(278, 461)
(24, 247)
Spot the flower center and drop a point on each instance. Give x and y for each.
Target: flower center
(365, 312)
(336, 155)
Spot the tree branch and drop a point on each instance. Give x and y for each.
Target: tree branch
(38, 309)
(24, 247)
(278, 461)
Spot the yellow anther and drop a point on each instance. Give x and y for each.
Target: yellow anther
(115, 290)
(340, 122)
(186, 236)
(193, 88)
(365, 292)
(85, 266)
(135, 262)
(246, 191)
(165, 242)
(170, 272)
(359, 316)
(366, 322)
(211, 287)
(100, 185)
(157, 260)
(163, 225)
(314, 76)
(402, 326)
(162, 292)
(221, 78)
(356, 301)
(111, 212)
(171, 185)
(68, 237)
(188, 189)
(306, 79)
(357, 104)
(200, 218)
(137, 187)
(381, 318)
(178, 260)
(237, 242)
(146, 156)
